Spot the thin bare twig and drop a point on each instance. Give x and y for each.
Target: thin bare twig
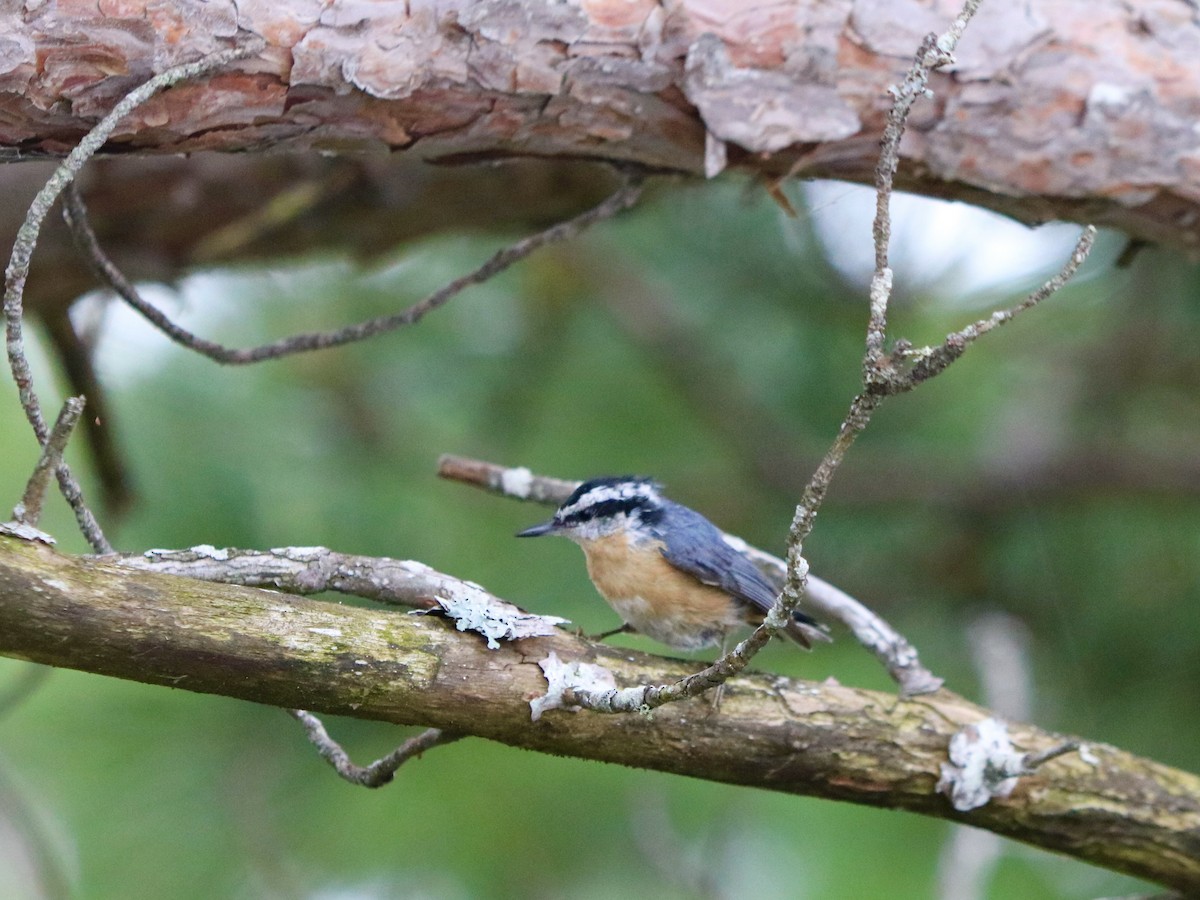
(1033, 760)
(883, 378)
(76, 216)
(930, 361)
(934, 53)
(17, 271)
(28, 510)
(378, 773)
(72, 347)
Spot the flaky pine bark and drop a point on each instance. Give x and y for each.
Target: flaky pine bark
(1058, 109)
(1104, 806)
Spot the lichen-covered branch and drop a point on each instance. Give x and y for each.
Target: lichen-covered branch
(314, 570)
(797, 737)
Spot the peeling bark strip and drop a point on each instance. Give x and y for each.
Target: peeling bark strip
(1059, 110)
(1110, 808)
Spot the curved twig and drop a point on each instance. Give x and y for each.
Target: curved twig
(382, 770)
(76, 215)
(17, 271)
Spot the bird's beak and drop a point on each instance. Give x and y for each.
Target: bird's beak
(538, 530)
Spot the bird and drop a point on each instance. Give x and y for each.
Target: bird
(665, 569)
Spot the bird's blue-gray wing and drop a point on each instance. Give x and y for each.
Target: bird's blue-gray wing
(694, 545)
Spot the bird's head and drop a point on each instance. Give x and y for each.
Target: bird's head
(604, 506)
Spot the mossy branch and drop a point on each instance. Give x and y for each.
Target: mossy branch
(1105, 806)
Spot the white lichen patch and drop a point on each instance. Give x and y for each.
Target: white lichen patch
(208, 551)
(26, 532)
(983, 764)
(561, 676)
(517, 482)
(473, 609)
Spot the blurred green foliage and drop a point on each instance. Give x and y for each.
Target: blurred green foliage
(702, 339)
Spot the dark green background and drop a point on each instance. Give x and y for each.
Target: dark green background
(936, 517)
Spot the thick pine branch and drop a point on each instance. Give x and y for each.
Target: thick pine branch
(1104, 806)
(1071, 111)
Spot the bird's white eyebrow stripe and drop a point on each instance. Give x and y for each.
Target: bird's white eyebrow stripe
(612, 492)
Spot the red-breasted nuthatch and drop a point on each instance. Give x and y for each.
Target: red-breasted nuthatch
(665, 569)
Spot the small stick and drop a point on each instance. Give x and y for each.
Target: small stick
(382, 770)
(28, 510)
(929, 362)
(1033, 760)
(516, 482)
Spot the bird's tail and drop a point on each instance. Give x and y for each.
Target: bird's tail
(805, 629)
